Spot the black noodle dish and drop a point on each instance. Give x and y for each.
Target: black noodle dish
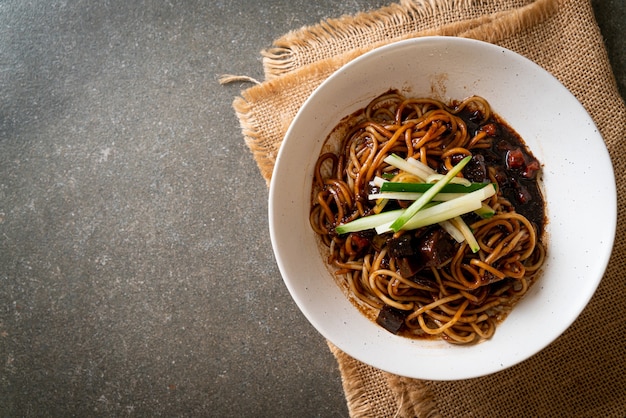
(430, 215)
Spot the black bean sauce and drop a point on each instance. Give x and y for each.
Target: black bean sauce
(517, 171)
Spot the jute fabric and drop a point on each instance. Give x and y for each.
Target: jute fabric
(581, 374)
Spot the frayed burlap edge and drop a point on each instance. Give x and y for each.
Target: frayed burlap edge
(335, 37)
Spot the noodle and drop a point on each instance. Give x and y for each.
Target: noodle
(457, 295)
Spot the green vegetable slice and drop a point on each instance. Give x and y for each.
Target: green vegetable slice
(428, 195)
(485, 211)
(390, 186)
(404, 165)
(467, 233)
(452, 230)
(443, 211)
(439, 197)
(369, 222)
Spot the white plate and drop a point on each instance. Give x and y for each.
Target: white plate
(579, 189)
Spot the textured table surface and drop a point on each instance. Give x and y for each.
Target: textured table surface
(136, 274)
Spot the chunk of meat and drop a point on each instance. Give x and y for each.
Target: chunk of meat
(525, 164)
(391, 319)
(416, 251)
(476, 169)
(515, 159)
(435, 247)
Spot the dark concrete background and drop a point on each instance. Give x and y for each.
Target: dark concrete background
(136, 274)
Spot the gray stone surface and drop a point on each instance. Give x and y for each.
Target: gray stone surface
(136, 274)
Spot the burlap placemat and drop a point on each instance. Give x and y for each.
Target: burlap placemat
(583, 373)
